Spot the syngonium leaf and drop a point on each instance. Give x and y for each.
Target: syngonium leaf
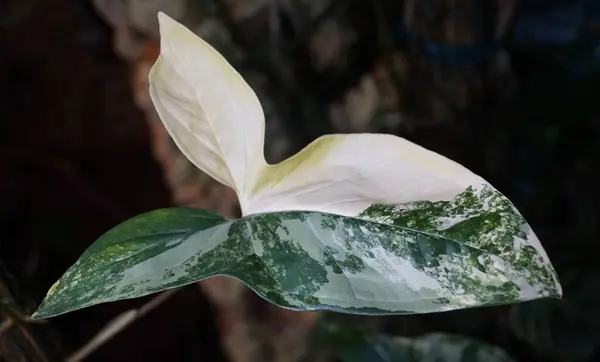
(353, 345)
(398, 264)
(363, 223)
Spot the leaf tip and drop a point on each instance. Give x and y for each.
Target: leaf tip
(41, 312)
(169, 28)
(164, 20)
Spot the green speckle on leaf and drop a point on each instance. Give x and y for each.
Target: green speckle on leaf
(416, 258)
(484, 219)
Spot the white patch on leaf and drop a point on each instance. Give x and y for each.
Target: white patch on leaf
(211, 113)
(217, 121)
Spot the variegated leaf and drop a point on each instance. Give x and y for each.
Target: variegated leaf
(363, 223)
(405, 261)
(337, 174)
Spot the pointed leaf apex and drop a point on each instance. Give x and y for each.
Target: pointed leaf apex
(212, 114)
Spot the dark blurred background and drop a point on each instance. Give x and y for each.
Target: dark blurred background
(508, 88)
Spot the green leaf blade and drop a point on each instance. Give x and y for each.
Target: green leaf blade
(113, 266)
(297, 260)
(484, 219)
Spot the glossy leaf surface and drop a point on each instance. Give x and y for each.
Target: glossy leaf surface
(402, 263)
(363, 223)
(350, 175)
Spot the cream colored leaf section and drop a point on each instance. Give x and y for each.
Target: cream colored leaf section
(345, 174)
(216, 120)
(211, 113)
